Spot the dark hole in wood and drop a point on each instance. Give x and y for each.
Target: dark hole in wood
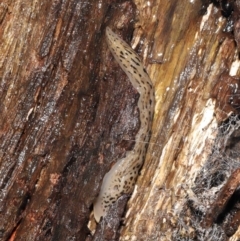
(217, 179)
(231, 204)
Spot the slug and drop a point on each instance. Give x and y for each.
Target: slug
(122, 176)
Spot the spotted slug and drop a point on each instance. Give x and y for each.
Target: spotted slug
(122, 176)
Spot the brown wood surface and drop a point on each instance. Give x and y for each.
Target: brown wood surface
(68, 112)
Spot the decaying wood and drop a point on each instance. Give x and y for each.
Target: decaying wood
(178, 186)
(63, 115)
(68, 113)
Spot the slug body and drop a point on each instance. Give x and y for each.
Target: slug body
(122, 176)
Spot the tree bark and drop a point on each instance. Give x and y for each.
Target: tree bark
(68, 113)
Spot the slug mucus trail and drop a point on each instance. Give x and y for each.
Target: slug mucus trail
(122, 176)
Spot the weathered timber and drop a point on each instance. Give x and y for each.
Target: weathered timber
(68, 112)
(64, 114)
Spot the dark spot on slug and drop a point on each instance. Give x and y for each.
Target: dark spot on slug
(133, 67)
(129, 51)
(135, 62)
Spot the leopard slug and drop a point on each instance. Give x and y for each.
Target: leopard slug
(122, 176)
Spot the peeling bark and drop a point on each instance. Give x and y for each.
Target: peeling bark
(68, 113)
(64, 117)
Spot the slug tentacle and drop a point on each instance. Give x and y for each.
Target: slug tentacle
(122, 176)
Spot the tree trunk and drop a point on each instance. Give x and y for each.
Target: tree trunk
(68, 113)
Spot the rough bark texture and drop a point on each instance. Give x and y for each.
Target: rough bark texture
(68, 112)
(64, 117)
